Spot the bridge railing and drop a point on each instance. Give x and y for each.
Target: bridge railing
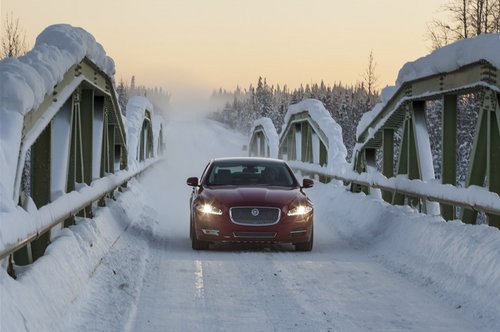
(264, 139)
(66, 143)
(406, 111)
(474, 197)
(403, 172)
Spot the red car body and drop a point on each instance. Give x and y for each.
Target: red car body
(250, 200)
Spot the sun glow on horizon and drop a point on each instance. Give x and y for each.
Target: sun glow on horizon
(206, 45)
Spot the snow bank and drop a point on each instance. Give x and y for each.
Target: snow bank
(39, 298)
(445, 59)
(337, 151)
(26, 81)
(272, 137)
(458, 262)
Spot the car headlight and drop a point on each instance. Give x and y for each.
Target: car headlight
(208, 209)
(299, 210)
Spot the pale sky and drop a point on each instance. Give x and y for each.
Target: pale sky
(208, 44)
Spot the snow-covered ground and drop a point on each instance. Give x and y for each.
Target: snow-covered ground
(374, 267)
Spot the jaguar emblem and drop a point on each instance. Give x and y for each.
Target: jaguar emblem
(255, 212)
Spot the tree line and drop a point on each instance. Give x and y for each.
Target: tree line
(346, 104)
(159, 97)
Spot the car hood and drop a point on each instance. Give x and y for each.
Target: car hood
(258, 196)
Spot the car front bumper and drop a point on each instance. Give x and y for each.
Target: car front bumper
(289, 229)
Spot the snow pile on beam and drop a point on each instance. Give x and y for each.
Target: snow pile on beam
(446, 59)
(337, 151)
(271, 135)
(385, 95)
(453, 56)
(26, 80)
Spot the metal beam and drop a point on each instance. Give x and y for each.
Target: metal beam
(494, 153)
(424, 152)
(469, 78)
(87, 124)
(40, 184)
(111, 149)
(388, 159)
(477, 162)
(399, 199)
(449, 150)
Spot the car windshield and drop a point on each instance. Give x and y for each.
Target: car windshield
(250, 173)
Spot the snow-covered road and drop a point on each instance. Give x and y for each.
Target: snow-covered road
(151, 280)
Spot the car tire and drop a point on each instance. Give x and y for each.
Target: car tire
(195, 243)
(305, 246)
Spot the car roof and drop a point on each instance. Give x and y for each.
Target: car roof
(246, 159)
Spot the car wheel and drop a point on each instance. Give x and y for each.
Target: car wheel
(197, 244)
(191, 228)
(305, 246)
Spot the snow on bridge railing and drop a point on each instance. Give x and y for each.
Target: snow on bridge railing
(62, 129)
(310, 134)
(456, 68)
(473, 197)
(465, 67)
(20, 227)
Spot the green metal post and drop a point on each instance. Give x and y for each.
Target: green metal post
(413, 165)
(494, 154)
(262, 145)
(449, 150)
(323, 158)
(75, 151)
(87, 125)
(388, 159)
(306, 142)
(104, 166)
(150, 142)
(141, 143)
(297, 142)
(40, 184)
(371, 162)
(111, 149)
(323, 154)
(291, 151)
(477, 162)
(252, 145)
(399, 199)
(104, 146)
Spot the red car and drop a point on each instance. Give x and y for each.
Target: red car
(250, 200)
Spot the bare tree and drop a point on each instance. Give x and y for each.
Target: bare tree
(13, 38)
(465, 19)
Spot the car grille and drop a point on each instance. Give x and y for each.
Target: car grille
(254, 216)
(255, 235)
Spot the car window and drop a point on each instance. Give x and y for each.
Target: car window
(271, 174)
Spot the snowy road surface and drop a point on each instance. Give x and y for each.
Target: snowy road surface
(151, 280)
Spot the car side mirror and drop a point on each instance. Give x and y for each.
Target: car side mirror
(193, 182)
(307, 183)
